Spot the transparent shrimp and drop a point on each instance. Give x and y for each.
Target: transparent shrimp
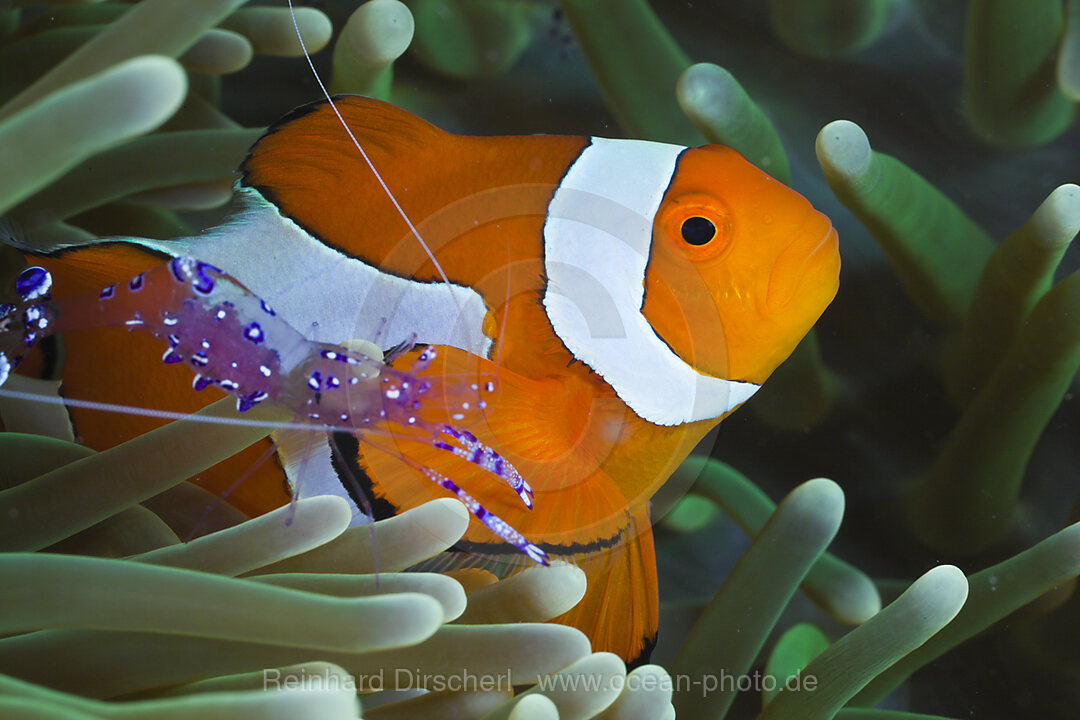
(231, 339)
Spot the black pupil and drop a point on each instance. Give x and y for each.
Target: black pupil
(698, 230)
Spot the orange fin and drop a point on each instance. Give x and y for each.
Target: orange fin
(466, 195)
(621, 610)
(579, 514)
(542, 427)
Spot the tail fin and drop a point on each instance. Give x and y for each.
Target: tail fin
(620, 611)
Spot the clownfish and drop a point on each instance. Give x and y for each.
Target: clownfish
(623, 297)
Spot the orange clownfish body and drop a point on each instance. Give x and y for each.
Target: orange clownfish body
(624, 296)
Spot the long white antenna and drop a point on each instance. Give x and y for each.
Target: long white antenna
(363, 153)
(163, 414)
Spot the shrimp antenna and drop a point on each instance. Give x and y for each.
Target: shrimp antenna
(363, 153)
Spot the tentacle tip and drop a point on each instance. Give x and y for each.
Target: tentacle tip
(843, 146)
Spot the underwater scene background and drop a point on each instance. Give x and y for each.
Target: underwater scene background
(937, 391)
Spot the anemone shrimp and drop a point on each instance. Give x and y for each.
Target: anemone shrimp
(235, 341)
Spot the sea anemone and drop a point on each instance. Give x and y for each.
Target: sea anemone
(937, 391)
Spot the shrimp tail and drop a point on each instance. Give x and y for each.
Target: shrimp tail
(231, 339)
(26, 322)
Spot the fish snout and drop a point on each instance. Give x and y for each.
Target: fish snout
(810, 264)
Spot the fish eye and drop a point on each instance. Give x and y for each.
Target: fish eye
(698, 230)
(698, 225)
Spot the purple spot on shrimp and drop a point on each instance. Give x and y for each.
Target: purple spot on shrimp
(205, 284)
(201, 383)
(200, 359)
(332, 382)
(246, 402)
(173, 340)
(136, 283)
(254, 333)
(171, 356)
(176, 265)
(315, 381)
(266, 308)
(33, 319)
(337, 357)
(107, 293)
(33, 283)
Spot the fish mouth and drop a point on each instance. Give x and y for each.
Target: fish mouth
(813, 257)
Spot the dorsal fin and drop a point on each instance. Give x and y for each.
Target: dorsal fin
(308, 147)
(308, 167)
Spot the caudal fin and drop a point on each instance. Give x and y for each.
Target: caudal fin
(620, 611)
